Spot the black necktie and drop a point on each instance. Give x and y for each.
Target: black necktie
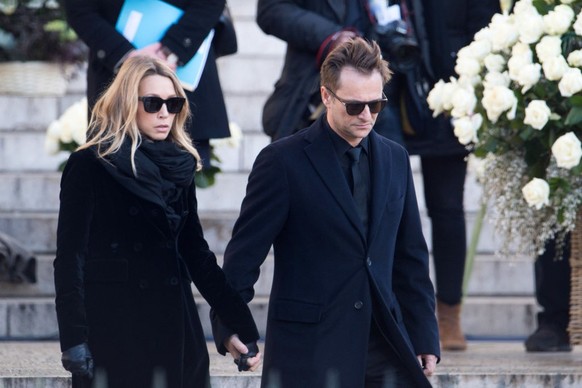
(359, 189)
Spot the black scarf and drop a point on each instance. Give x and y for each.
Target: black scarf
(164, 171)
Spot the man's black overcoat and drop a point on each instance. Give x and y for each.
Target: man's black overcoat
(328, 276)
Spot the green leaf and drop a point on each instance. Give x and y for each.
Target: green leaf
(574, 116)
(575, 101)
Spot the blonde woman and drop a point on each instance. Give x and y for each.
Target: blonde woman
(130, 243)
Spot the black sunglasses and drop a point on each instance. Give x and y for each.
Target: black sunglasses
(354, 108)
(153, 104)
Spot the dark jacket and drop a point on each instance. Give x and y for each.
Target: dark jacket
(94, 21)
(327, 275)
(123, 281)
(449, 26)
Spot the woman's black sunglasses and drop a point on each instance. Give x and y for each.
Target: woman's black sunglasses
(354, 108)
(153, 104)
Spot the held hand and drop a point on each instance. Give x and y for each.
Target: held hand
(153, 50)
(78, 360)
(247, 357)
(428, 363)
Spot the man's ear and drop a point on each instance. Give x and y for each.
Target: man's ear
(325, 96)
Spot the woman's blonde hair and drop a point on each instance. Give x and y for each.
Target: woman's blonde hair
(113, 118)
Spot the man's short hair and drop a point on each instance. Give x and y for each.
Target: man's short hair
(362, 55)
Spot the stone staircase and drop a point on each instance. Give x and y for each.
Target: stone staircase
(499, 304)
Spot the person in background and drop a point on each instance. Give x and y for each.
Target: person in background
(311, 30)
(441, 30)
(352, 304)
(130, 244)
(94, 21)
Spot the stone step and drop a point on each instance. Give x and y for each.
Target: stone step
(482, 317)
(36, 229)
(23, 190)
(491, 276)
(484, 365)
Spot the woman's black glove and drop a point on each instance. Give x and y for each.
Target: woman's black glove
(78, 360)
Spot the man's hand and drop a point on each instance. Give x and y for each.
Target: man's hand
(236, 348)
(428, 363)
(78, 360)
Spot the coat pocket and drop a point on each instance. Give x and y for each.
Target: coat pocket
(106, 271)
(295, 311)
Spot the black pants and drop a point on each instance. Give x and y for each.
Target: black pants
(444, 183)
(384, 368)
(552, 281)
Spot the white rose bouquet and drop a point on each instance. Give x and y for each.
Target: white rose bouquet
(517, 103)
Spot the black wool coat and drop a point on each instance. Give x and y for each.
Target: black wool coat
(329, 278)
(123, 281)
(94, 22)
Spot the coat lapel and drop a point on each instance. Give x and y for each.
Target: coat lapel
(322, 156)
(381, 170)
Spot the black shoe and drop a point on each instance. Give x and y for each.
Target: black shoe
(548, 339)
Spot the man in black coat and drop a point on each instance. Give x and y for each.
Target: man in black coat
(351, 302)
(94, 21)
(441, 28)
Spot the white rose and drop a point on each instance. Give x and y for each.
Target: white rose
(469, 81)
(536, 193)
(51, 145)
(530, 27)
(567, 150)
(435, 98)
(463, 101)
(554, 68)
(497, 100)
(465, 128)
(537, 114)
(523, 7)
(548, 47)
(522, 50)
(575, 58)
(504, 33)
(529, 75)
(479, 49)
(558, 20)
(496, 79)
(515, 64)
(578, 24)
(483, 34)
(571, 82)
(568, 1)
(494, 63)
(467, 66)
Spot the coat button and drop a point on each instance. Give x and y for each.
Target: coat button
(133, 211)
(369, 262)
(358, 305)
(137, 246)
(173, 281)
(101, 54)
(143, 284)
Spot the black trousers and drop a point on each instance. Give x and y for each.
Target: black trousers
(384, 368)
(444, 183)
(552, 282)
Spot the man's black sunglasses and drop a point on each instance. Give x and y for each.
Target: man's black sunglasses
(153, 104)
(354, 108)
